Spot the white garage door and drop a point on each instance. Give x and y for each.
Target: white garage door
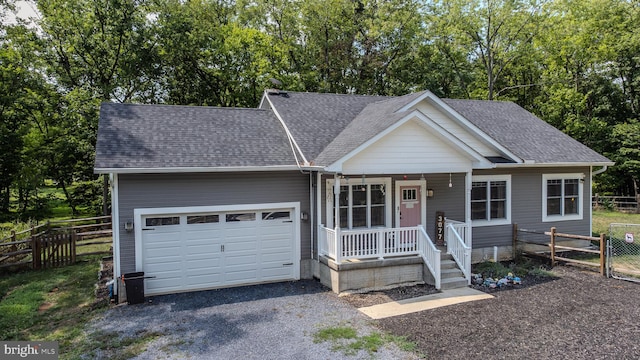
(195, 251)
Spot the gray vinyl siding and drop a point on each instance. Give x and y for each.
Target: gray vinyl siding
(206, 189)
(526, 206)
(526, 203)
(450, 200)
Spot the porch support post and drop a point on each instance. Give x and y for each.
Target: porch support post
(318, 212)
(467, 207)
(336, 200)
(336, 225)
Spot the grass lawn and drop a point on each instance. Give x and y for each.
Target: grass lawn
(50, 305)
(602, 219)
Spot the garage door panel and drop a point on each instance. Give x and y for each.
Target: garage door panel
(218, 250)
(280, 244)
(211, 280)
(164, 252)
(204, 264)
(203, 249)
(241, 276)
(275, 257)
(275, 273)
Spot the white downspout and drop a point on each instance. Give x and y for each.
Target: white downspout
(599, 171)
(115, 228)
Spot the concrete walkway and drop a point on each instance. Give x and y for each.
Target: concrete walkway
(444, 298)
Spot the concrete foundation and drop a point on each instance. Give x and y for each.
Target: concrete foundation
(306, 268)
(369, 274)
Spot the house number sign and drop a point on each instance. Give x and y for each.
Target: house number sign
(440, 227)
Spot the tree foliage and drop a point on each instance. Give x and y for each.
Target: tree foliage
(574, 63)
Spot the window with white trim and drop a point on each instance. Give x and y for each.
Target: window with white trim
(491, 200)
(561, 197)
(361, 205)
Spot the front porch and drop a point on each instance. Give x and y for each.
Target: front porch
(374, 258)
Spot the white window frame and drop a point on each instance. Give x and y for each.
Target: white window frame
(357, 181)
(507, 211)
(562, 217)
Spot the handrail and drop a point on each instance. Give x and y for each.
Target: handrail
(460, 252)
(431, 256)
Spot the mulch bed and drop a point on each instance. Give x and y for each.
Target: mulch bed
(579, 315)
(407, 292)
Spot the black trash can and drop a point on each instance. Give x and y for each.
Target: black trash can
(134, 283)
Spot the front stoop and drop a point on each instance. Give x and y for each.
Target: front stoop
(451, 275)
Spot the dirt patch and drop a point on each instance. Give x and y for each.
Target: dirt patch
(44, 307)
(388, 295)
(104, 276)
(580, 315)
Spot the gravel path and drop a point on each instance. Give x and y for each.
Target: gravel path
(580, 315)
(273, 321)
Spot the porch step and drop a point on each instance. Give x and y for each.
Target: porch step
(448, 264)
(453, 283)
(451, 273)
(445, 256)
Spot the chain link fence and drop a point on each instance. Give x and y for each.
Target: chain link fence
(623, 252)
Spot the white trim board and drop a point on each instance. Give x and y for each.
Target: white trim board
(356, 180)
(507, 210)
(566, 176)
(115, 227)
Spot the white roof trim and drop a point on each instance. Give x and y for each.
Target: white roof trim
(286, 129)
(482, 162)
(462, 120)
(557, 164)
(170, 170)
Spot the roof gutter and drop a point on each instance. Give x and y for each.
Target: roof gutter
(173, 170)
(600, 171)
(563, 164)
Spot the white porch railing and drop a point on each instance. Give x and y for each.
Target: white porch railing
(430, 255)
(456, 236)
(341, 245)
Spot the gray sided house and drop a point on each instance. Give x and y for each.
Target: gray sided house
(358, 191)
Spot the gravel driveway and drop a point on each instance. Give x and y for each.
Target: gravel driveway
(272, 321)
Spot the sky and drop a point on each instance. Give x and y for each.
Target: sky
(26, 9)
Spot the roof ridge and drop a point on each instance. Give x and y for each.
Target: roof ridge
(328, 93)
(481, 100)
(208, 107)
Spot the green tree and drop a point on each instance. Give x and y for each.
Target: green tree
(492, 34)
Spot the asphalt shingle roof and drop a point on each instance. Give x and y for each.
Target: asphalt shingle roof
(315, 119)
(523, 133)
(166, 136)
(325, 126)
(329, 126)
(372, 120)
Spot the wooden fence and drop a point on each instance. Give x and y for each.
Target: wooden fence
(628, 204)
(55, 243)
(545, 244)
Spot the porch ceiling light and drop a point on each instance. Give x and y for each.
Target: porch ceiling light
(450, 184)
